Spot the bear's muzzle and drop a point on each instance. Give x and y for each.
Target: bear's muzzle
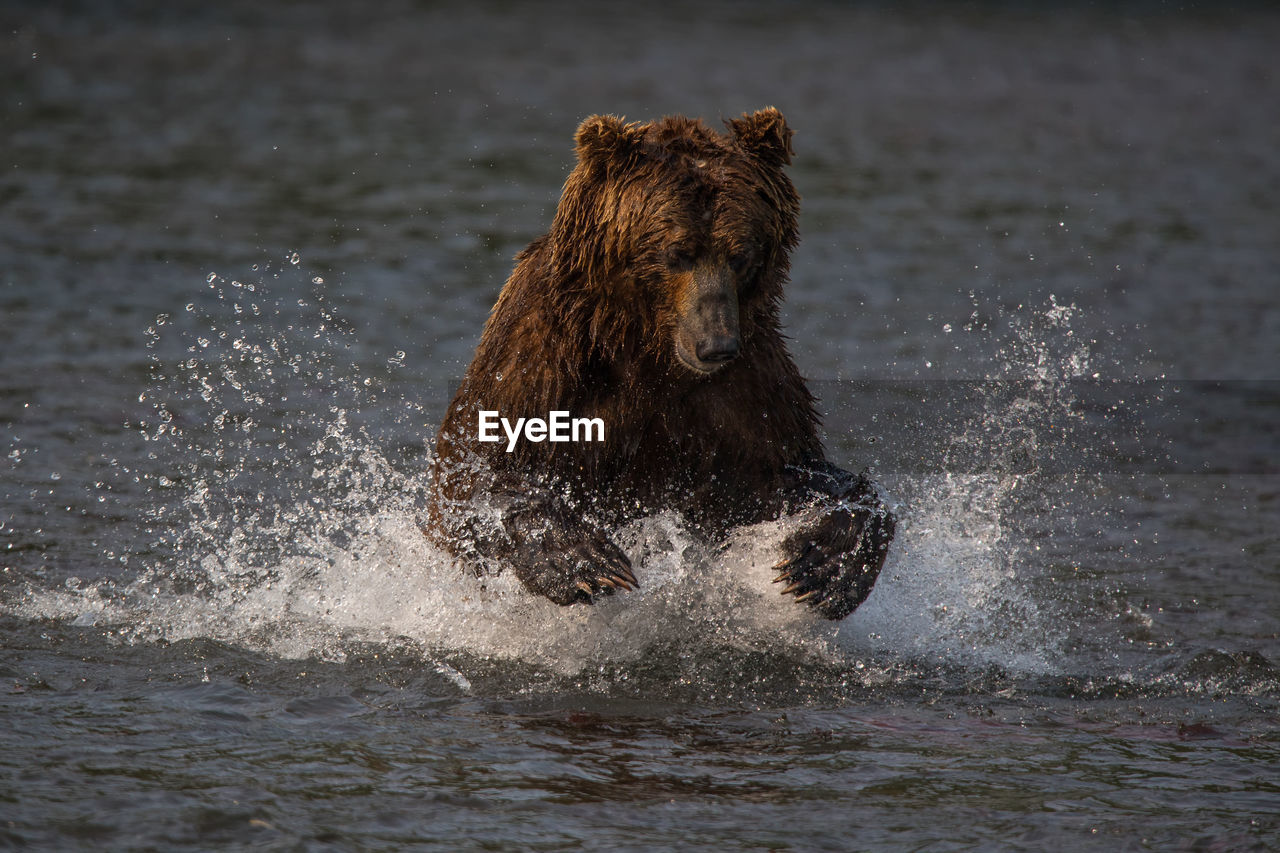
(707, 335)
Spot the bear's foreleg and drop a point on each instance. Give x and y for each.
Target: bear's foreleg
(833, 559)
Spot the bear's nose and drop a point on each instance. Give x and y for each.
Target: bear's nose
(717, 348)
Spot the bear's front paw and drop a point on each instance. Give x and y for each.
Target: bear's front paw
(580, 572)
(835, 558)
(565, 559)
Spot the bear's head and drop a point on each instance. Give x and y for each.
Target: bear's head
(684, 232)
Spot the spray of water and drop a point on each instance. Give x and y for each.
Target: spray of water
(282, 523)
(959, 583)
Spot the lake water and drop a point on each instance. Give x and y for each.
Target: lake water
(248, 249)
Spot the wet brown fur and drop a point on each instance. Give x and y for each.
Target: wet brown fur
(588, 323)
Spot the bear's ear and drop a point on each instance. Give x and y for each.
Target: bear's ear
(602, 138)
(764, 134)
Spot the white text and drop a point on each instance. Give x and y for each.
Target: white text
(557, 427)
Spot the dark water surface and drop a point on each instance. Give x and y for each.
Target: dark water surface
(246, 249)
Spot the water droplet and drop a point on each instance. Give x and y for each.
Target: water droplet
(317, 280)
(191, 306)
(946, 327)
(294, 259)
(213, 276)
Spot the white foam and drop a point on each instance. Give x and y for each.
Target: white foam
(946, 593)
(352, 564)
(951, 588)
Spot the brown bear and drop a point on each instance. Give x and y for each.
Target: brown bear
(649, 312)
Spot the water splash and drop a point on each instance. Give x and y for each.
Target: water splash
(282, 523)
(961, 580)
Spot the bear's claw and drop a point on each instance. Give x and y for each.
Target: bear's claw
(597, 568)
(612, 582)
(580, 578)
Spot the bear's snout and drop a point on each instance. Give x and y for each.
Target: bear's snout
(707, 329)
(717, 348)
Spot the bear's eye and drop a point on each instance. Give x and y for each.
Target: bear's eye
(678, 259)
(743, 263)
